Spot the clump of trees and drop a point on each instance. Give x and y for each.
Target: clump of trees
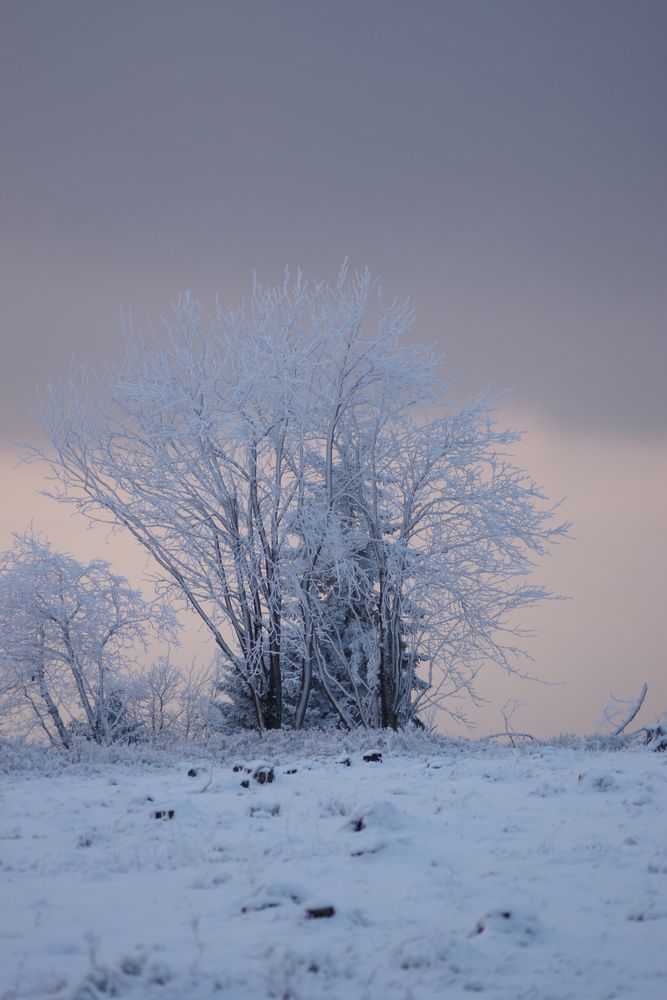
(354, 551)
(175, 704)
(68, 634)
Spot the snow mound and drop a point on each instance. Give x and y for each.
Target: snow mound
(377, 816)
(511, 921)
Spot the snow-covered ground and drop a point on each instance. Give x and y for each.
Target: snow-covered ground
(528, 873)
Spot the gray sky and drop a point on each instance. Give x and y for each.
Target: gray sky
(502, 162)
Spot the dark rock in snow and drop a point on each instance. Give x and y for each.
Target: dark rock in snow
(317, 912)
(263, 774)
(260, 770)
(163, 814)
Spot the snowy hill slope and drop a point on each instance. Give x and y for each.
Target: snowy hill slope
(528, 873)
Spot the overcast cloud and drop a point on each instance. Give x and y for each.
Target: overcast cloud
(503, 163)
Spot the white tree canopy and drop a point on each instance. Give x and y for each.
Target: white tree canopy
(69, 633)
(355, 551)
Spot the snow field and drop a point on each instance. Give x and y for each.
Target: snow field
(534, 873)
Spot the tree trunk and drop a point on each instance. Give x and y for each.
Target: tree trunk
(51, 707)
(275, 670)
(306, 681)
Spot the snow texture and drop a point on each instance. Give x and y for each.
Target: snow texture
(441, 870)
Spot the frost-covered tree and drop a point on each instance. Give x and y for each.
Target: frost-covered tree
(156, 698)
(171, 703)
(354, 551)
(68, 634)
